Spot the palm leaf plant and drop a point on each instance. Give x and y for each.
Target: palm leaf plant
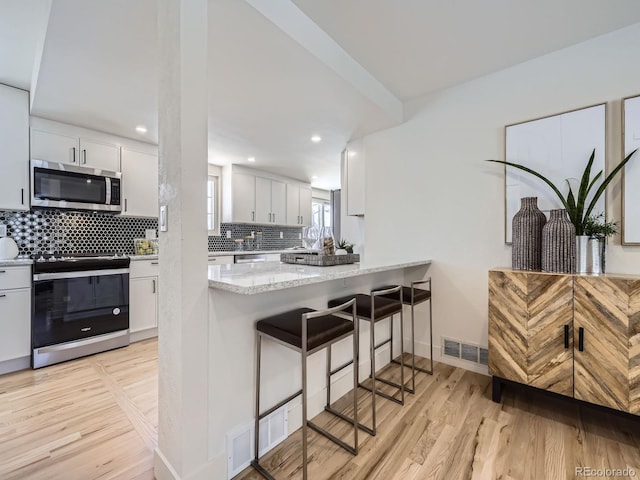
(575, 205)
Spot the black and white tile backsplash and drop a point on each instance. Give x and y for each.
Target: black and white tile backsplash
(64, 232)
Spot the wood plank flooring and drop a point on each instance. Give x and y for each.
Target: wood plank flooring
(96, 418)
(452, 430)
(91, 418)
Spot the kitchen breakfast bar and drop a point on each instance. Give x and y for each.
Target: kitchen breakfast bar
(242, 294)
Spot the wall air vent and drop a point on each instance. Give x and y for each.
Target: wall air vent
(465, 351)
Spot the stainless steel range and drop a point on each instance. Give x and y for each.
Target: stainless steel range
(80, 306)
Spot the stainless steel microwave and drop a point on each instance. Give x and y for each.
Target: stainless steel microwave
(57, 185)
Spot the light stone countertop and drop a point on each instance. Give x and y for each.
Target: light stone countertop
(135, 258)
(257, 252)
(16, 262)
(253, 278)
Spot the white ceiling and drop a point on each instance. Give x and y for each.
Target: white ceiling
(281, 71)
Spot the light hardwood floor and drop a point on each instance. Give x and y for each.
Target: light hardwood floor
(96, 418)
(90, 418)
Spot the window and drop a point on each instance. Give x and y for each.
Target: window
(320, 213)
(213, 224)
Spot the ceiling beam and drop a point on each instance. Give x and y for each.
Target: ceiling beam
(292, 21)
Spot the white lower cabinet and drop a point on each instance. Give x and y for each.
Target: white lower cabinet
(15, 318)
(15, 324)
(143, 299)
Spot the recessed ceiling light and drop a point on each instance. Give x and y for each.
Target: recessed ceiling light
(316, 139)
(352, 153)
(251, 159)
(141, 129)
(314, 177)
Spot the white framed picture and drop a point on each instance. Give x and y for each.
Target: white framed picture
(558, 147)
(631, 172)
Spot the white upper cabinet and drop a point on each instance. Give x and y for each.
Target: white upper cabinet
(253, 196)
(298, 205)
(139, 184)
(243, 198)
(353, 178)
(60, 148)
(271, 201)
(14, 138)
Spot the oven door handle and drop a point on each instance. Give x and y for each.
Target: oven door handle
(84, 341)
(87, 273)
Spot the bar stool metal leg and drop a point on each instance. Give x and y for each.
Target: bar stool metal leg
(413, 284)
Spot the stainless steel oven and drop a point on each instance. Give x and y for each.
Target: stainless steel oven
(80, 307)
(58, 185)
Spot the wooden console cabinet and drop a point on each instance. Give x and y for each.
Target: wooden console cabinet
(576, 335)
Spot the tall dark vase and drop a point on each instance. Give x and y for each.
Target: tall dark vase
(526, 236)
(559, 244)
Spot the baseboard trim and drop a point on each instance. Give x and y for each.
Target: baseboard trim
(14, 365)
(214, 468)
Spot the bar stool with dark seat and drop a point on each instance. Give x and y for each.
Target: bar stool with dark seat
(308, 331)
(373, 308)
(413, 296)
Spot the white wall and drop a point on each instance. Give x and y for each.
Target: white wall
(430, 195)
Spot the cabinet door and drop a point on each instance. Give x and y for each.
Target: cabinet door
(15, 324)
(601, 318)
(293, 205)
(263, 200)
(244, 198)
(53, 147)
(305, 206)
(100, 155)
(529, 314)
(278, 202)
(14, 138)
(139, 184)
(143, 306)
(355, 184)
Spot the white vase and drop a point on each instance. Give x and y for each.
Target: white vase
(8, 248)
(590, 254)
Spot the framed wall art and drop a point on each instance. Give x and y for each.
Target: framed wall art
(631, 172)
(558, 147)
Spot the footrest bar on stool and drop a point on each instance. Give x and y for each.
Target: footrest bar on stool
(341, 367)
(261, 471)
(384, 395)
(276, 407)
(350, 420)
(331, 437)
(420, 369)
(384, 342)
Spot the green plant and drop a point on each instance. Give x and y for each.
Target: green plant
(595, 226)
(345, 245)
(575, 206)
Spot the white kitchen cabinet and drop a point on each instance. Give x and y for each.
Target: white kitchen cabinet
(143, 299)
(139, 184)
(298, 205)
(14, 138)
(243, 198)
(73, 150)
(353, 180)
(271, 202)
(221, 260)
(15, 316)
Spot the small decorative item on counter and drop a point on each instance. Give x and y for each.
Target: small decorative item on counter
(258, 240)
(328, 247)
(239, 244)
(8, 248)
(145, 246)
(345, 245)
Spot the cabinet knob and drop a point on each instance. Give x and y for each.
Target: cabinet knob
(581, 339)
(154, 286)
(73, 154)
(84, 156)
(2, 296)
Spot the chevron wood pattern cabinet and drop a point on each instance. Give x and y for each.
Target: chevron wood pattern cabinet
(576, 335)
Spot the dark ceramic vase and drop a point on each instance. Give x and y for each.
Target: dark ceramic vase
(526, 236)
(559, 244)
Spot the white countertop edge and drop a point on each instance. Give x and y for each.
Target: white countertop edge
(252, 290)
(135, 258)
(15, 262)
(256, 252)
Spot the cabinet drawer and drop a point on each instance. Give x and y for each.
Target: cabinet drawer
(144, 268)
(221, 260)
(15, 277)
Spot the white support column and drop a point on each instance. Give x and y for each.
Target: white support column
(183, 315)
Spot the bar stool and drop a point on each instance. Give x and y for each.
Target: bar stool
(308, 331)
(373, 308)
(414, 296)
